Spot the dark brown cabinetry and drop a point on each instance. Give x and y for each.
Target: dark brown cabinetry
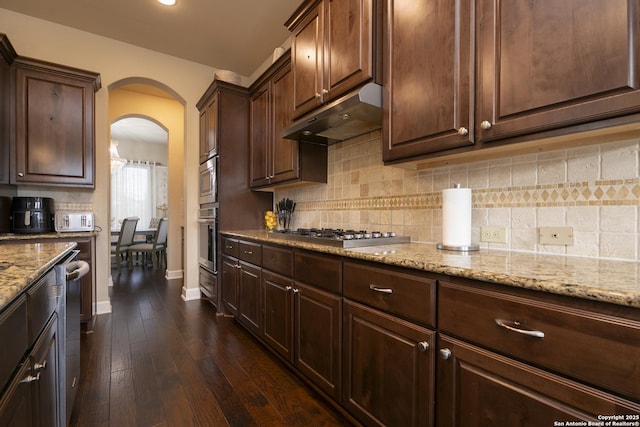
(224, 133)
(550, 64)
(31, 360)
(428, 77)
(389, 363)
(332, 50)
(318, 321)
(7, 56)
(275, 160)
(490, 389)
(505, 72)
(581, 340)
(54, 134)
(208, 128)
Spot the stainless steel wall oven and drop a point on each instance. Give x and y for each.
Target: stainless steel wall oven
(208, 237)
(208, 187)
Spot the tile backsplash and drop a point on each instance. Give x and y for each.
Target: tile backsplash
(594, 189)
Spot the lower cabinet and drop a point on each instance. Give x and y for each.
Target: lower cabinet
(478, 387)
(230, 284)
(249, 307)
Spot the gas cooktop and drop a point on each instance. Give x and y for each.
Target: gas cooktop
(341, 238)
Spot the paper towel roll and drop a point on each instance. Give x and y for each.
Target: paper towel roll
(456, 217)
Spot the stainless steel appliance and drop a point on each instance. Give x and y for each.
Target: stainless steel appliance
(208, 187)
(32, 214)
(68, 275)
(341, 238)
(73, 222)
(208, 238)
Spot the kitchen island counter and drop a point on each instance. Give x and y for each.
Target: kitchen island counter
(616, 282)
(22, 263)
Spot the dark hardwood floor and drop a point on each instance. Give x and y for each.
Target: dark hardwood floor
(157, 360)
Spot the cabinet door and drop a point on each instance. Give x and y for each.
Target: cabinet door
(5, 104)
(480, 388)
(348, 41)
(16, 404)
(318, 337)
(249, 307)
(230, 284)
(284, 152)
(388, 369)
(54, 129)
(209, 130)
(278, 313)
(45, 367)
(307, 61)
(427, 76)
(549, 63)
(260, 136)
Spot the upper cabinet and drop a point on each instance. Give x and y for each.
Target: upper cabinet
(427, 77)
(275, 160)
(332, 50)
(208, 128)
(7, 56)
(546, 64)
(54, 124)
(523, 71)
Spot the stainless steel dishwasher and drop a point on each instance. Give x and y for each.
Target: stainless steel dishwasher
(68, 275)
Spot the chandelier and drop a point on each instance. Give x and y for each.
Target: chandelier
(117, 162)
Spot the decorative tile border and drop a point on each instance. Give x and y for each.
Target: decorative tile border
(598, 193)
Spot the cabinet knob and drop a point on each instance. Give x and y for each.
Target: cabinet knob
(21, 174)
(325, 91)
(486, 125)
(423, 346)
(30, 379)
(40, 366)
(296, 290)
(462, 131)
(445, 353)
(318, 95)
(288, 288)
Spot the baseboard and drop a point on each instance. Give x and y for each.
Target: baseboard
(190, 294)
(102, 307)
(173, 274)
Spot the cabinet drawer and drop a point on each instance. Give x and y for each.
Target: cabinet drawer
(250, 252)
(230, 247)
(279, 260)
(322, 271)
(409, 296)
(14, 338)
(592, 346)
(41, 300)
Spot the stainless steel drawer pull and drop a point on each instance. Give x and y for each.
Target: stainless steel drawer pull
(381, 290)
(515, 327)
(248, 252)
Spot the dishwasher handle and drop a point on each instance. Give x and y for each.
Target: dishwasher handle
(77, 270)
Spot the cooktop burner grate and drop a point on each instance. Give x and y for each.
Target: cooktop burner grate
(341, 238)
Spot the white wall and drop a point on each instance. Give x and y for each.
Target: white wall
(116, 61)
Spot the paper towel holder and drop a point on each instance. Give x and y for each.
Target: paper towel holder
(462, 248)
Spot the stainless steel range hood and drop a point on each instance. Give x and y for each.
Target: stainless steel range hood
(349, 116)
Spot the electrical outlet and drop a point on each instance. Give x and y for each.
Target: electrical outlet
(493, 234)
(555, 235)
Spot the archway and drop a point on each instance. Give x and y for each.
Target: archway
(137, 97)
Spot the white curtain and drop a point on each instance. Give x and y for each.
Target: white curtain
(138, 189)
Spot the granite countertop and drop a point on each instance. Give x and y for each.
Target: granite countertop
(22, 263)
(53, 235)
(616, 282)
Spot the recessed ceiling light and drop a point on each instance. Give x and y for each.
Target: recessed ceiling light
(167, 2)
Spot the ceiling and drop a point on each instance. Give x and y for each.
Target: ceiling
(235, 35)
(136, 129)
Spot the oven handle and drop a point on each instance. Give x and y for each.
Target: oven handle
(207, 220)
(77, 270)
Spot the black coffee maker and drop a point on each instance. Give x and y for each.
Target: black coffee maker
(32, 215)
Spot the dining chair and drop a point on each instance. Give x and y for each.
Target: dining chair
(157, 248)
(125, 239)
